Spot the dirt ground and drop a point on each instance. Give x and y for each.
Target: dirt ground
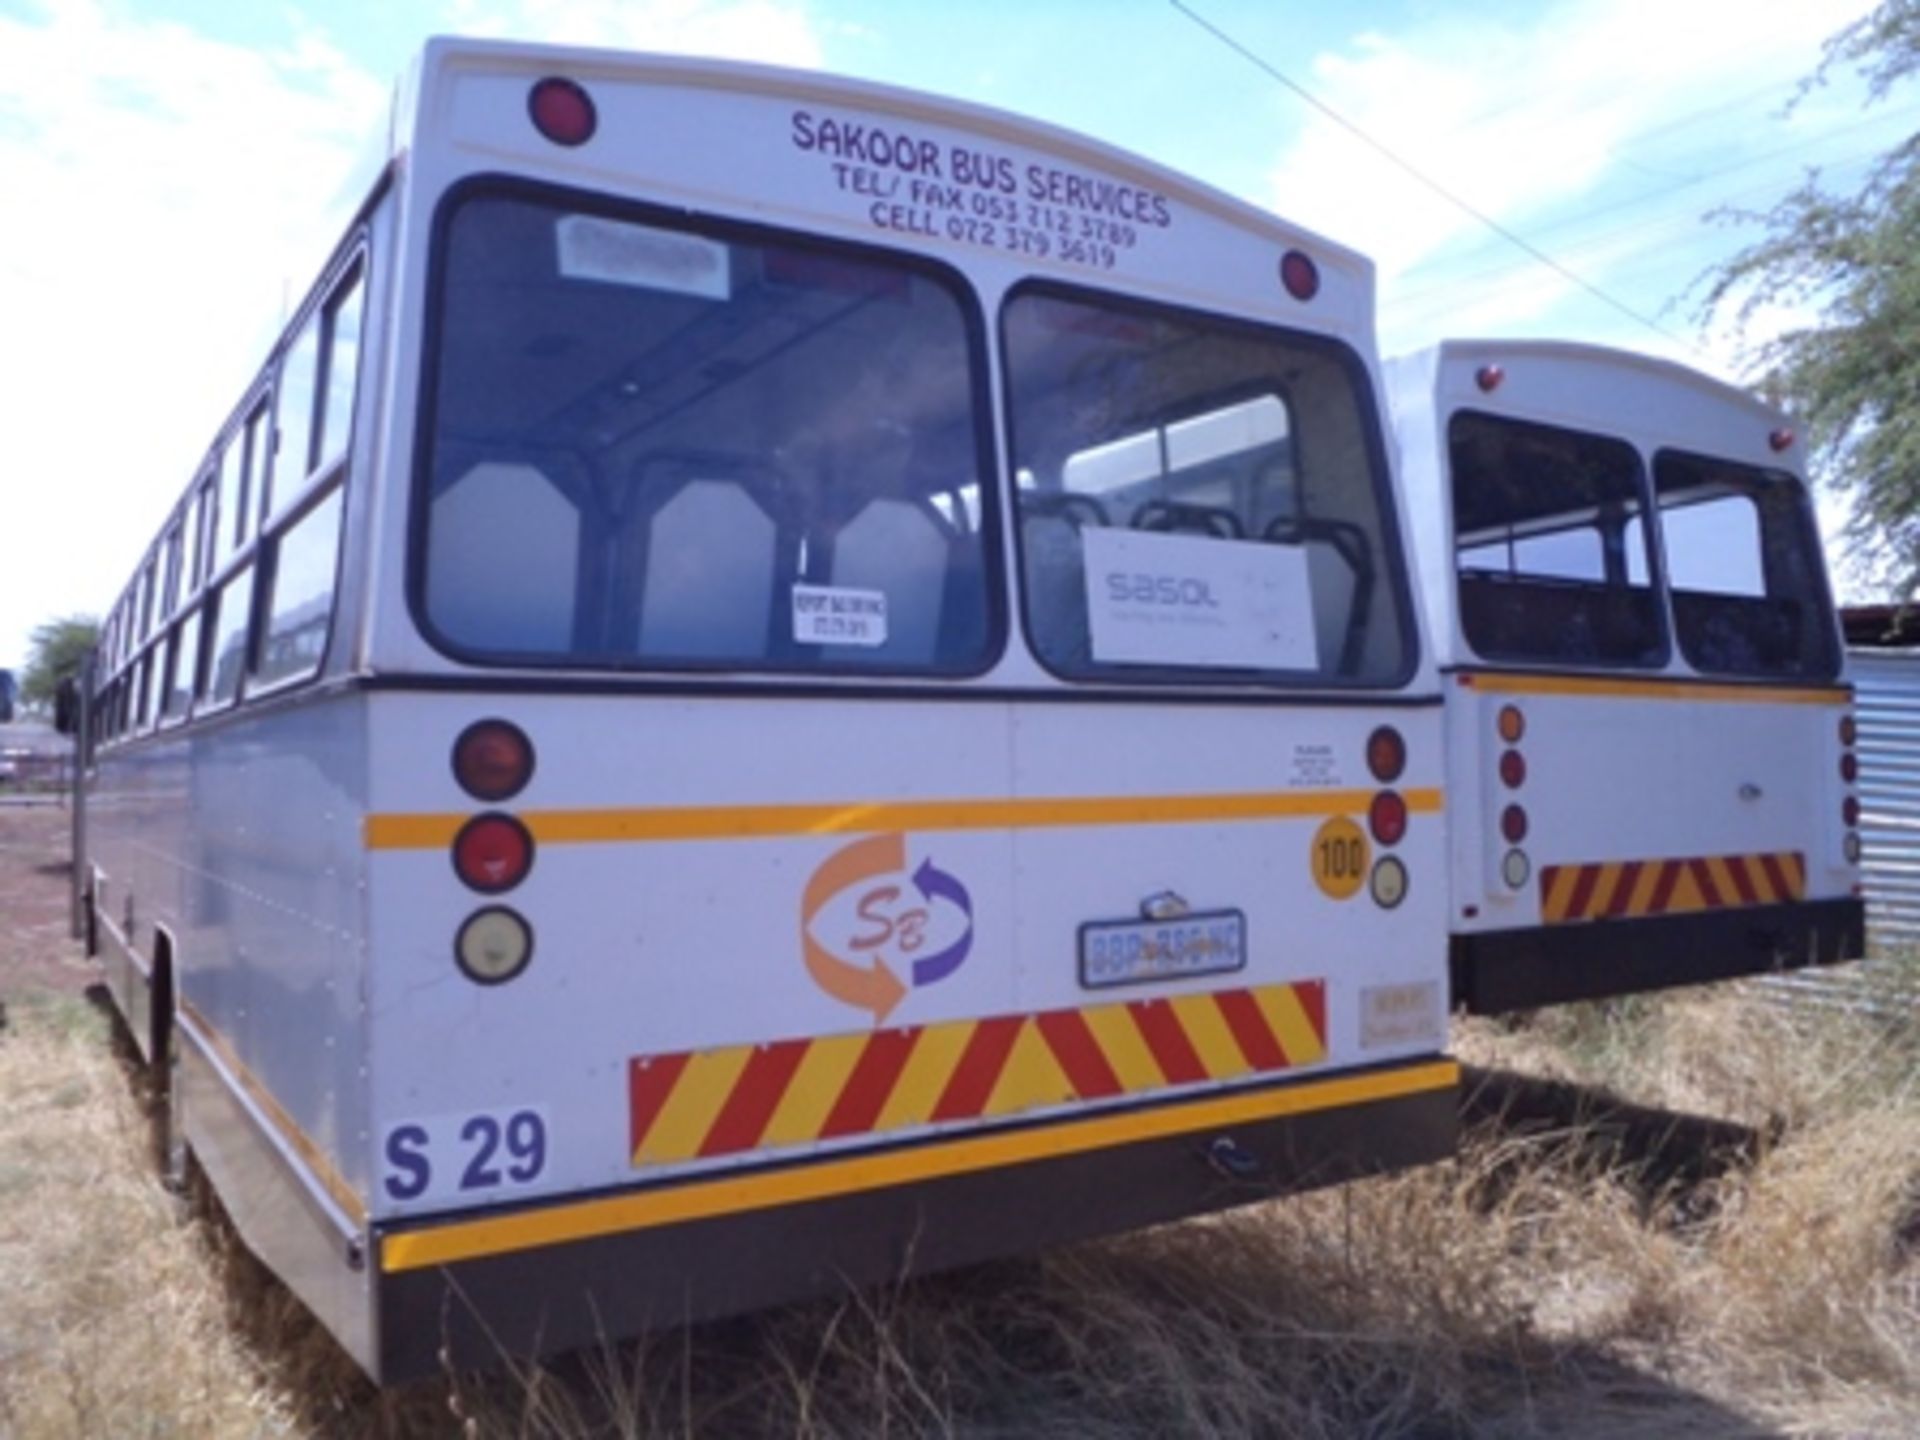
(37, 952)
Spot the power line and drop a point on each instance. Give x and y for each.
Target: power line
(1512, 237)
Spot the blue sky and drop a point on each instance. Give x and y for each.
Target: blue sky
(170, 171)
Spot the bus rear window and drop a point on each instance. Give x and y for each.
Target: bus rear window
(1749, 586)
(1550, 544)
(1198, 499)
(661, 443)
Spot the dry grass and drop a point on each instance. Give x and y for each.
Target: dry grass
(1519, 1290)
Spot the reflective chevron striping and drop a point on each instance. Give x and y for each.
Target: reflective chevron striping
(737, 1098)
(1614, 889)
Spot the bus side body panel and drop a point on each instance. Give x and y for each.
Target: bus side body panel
(698, 1041)
(242, 846)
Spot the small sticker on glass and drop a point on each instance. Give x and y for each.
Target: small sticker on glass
(836, 615)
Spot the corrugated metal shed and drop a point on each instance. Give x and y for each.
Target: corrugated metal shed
(1887, 683)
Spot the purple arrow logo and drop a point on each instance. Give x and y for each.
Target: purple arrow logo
(930, 883)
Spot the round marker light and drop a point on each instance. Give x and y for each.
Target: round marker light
(562, 111)
(1488, 377)
(1386, 754)
(492, 853)
(492, 760)
(1851, 846)
(1515, 868)
(1850, 810)
(1849, 729)
(1849, 767)
(1389, 883)
(1300, 275)
(1513, 824)
(493, 946)
(1511, 724)
(1513, 769)
(1387, 817)
(1779, 440)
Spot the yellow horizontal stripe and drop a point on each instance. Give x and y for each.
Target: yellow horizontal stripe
(705, 1200)
(331, 1180)
(1506, 684)
(746, 822)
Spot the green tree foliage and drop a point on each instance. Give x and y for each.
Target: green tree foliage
(59, 647)
(1852, 374)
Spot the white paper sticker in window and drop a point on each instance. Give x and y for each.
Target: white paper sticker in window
(836, 615)
(619, 253)
(1192, 600)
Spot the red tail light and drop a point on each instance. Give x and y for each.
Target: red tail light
(1849, 729)
(562, 111)
(1849, 767)
(492, 853)
(1513, 769)
(492, 760)
(1850, 810)
(1386, 754)
(1513, 824)
(1387, 817)
(1511, 724)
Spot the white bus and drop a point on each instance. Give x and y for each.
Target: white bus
(1650, 743)
(778, 683)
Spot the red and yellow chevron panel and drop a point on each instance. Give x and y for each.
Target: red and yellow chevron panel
(1617, 889)
(706, 1103)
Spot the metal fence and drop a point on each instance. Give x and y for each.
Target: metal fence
(1887, 685)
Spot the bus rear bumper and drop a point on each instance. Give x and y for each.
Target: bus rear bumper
(546, 1278)
(1500, 970)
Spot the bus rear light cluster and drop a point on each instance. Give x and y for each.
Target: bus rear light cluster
(1387, 815)
(1511, 726)
(493, 946)
(492, 853)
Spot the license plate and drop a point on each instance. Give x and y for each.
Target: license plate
(1136, 952)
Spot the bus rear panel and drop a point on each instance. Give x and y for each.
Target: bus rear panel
(1650, 744)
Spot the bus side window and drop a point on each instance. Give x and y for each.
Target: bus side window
(1744, 566)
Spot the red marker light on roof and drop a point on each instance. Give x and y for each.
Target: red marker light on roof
(562, 111)
(1488, 377)
(1300, 275)
(1781, 439)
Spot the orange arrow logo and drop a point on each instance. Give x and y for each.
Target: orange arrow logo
(874, 988)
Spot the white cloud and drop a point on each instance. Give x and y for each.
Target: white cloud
(1513, 119)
